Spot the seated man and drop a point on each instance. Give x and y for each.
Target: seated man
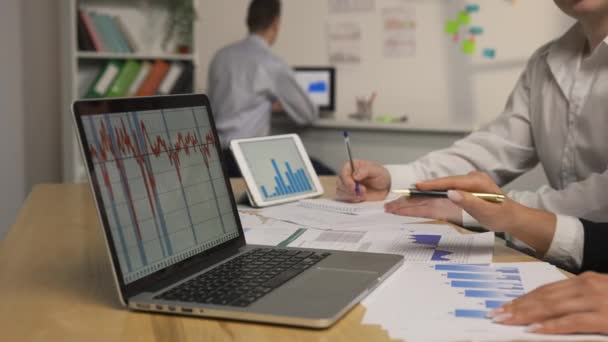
(556, 116)
(247, 82)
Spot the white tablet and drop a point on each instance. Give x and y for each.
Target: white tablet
(277, 169)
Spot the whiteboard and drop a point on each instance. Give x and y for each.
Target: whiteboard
(437, 86)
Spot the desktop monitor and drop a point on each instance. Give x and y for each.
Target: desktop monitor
(320, 84)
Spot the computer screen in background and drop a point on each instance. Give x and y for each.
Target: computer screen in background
(319, 83)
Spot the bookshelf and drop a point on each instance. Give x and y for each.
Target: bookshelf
(144, 23)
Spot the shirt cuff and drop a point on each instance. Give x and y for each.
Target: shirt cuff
(402, 176)
(469, 221)
(568, 243)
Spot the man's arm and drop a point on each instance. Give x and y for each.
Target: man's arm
(293, 99)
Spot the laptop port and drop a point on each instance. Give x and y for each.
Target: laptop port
(171, 308)
(186, 310)
(159, 307)
(143, 306)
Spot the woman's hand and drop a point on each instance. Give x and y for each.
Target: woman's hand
(534, 227)
(575, 305)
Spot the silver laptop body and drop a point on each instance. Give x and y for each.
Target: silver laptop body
(172, 228)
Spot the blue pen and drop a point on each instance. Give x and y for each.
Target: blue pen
(350, 157)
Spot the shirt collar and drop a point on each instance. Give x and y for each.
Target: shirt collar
(257, 39)
(564, 55)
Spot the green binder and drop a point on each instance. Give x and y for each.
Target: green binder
(104, 80)
(123, 81)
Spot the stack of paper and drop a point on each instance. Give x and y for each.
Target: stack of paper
(364, 208)
(450, 302)
(324, 219)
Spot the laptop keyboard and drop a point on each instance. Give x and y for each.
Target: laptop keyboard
(244, 279)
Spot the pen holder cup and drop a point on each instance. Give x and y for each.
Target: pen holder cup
(363, 110)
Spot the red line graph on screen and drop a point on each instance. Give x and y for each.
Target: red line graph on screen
(117, 143)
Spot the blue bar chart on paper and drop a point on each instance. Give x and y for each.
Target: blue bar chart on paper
(286, 182)
(490, 287)
(433, 242)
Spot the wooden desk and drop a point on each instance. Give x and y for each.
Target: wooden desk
(56, 284)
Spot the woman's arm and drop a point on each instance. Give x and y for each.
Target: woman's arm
(532, 226)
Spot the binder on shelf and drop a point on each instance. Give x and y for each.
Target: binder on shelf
(104, 80)
(84, 40)
(155, 77)
(100, 22)
(92, 34)
(127, 36)
(120, 85)
(184, 84)
(144, 70)
(117, 34)
(168, 83)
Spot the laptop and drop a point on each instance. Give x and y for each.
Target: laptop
(173, 232)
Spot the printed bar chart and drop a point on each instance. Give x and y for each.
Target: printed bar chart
(486, 285)
(492, 294)
(462, 313)
(479, 276)
(494, 304)
(476, 268)
(495, 286)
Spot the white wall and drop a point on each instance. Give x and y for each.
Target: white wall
(438, 86)
(12, 163)
(29, 93)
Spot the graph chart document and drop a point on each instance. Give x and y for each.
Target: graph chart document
(162, 186)
(324, 219)
(415, 242)
(364, 208)
(418, 298)
(453, 248)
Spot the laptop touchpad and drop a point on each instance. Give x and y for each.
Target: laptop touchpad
(319, 292)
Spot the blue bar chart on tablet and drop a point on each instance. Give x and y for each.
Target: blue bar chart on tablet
(277, 168)
(287, 182)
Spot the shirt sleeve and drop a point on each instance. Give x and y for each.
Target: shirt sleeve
(567, 201)
(504, 149)
(566, 249)
(295, 101)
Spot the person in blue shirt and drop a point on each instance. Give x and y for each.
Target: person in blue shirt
(247, 83)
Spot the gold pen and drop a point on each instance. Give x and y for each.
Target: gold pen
(494, 198)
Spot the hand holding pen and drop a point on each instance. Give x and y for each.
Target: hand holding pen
(373, 181)
(352, 163)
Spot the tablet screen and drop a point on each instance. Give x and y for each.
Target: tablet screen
(277, 168)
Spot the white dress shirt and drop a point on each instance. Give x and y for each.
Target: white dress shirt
(245, 78)
(557, 116)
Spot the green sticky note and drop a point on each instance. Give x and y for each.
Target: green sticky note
(464, 18)
(451, 27)
(468, 47)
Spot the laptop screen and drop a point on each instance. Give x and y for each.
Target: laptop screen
(161, 186)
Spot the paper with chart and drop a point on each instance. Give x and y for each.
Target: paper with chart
(415, 247)
(418, 298)
(471, 248)
(322, 219)
(364, 208)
